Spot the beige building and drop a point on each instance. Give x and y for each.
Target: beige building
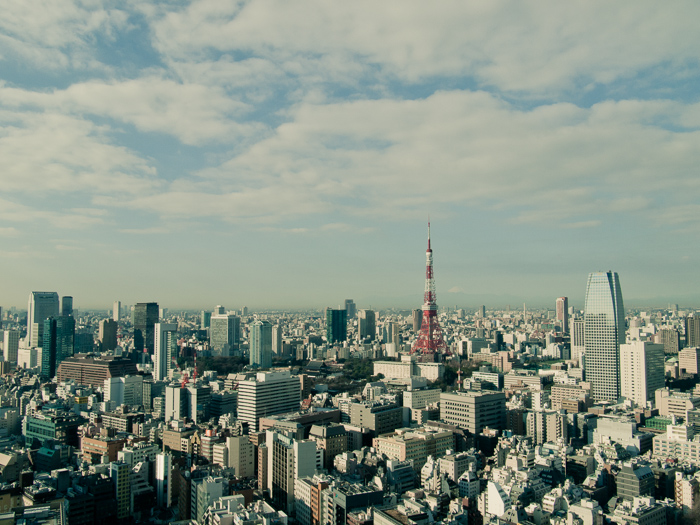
(409, 367)
(675, 402)
(561, 393)
(241, 455)
(415, 444)
(474, 410)
(689, 360)
(641, 371)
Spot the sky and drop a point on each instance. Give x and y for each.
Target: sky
(280, 154)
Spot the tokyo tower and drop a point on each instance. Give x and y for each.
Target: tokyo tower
(430, 342)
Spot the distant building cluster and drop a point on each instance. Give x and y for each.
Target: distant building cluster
(478, 416)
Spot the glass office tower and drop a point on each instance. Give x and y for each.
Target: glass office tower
(604, 331)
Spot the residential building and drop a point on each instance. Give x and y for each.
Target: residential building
(107, 334)
(642, 371)
(689, 360)
(261, 344)
(10, 346)
(164, 349)
(224, 333)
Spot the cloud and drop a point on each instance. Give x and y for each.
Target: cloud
(59, 33)
(53, 152)
(194, 113)
(513, 46)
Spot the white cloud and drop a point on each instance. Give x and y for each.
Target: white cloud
(194, 113)
(389, 158)
(512, 45)
(57, 33)
(53, 152)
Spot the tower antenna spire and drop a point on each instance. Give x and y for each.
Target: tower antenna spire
(430, 343)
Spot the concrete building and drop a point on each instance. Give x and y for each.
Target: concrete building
(641, 371)
(107, 334)
(10, 346)
(225, 333)
(127, 390)
(675, 403)
(267, 393)
(378, 416)
(634, 480)
(332, 439)
(689, 360)
(42, 305)
(241, 455)
(474, 410)
(261, 344)
(414, 444)
(164, 349)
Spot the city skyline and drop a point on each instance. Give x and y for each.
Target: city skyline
(263, 155)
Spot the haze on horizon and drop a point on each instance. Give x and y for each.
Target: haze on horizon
(283, 156)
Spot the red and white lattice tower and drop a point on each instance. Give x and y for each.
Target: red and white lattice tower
(430, 342)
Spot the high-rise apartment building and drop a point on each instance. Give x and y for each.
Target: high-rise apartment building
(10, 346)
(367, 324)
(107, 334)
(57, 343)
(116, 310)
(165, 346)
(66, 305)
(692, 330)
(277, 344)
(42, 305)
(267, 393)
(670, 338)
(224, 333)
(642, 371)
(578, 347)
(336, 325)
(350, 308)
(604, 332)
(145, 318)
(261, 344)
(563, 313)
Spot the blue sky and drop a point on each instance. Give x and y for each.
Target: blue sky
(282, 154)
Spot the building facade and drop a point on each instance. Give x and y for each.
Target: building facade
(604, 332)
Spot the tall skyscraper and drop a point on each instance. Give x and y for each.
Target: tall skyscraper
(350, 308)
(145, 318)
(336, 325)
(205, 320)
(367, 324)
(642, 371)
(224, 333)
(261, 344)
(604, 332)
(10, 346)
(116, 310)
(563, 313)
(277, 345)
(107, 334)
(165, 345)
(430, 343)
(692, 331)
(49, 344)
(66, 305)
(42, 305)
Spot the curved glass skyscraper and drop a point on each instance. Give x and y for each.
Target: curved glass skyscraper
(604, 331)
